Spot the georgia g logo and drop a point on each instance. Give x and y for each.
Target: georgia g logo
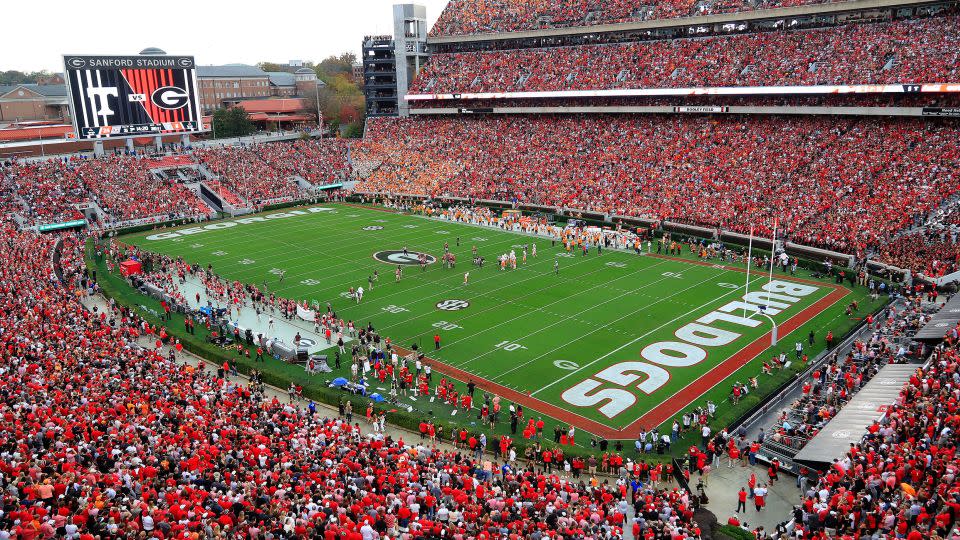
(170, 97)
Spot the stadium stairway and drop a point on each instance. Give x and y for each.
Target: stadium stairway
(212, 200)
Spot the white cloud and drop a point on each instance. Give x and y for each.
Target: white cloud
(214, 31)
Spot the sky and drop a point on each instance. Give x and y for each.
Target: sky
(214, 31)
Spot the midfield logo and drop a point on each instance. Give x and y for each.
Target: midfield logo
(453, 305)
(411, 258)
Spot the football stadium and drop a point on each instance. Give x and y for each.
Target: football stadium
(525, 269)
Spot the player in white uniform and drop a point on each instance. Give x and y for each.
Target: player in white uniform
(359, 294)
(466, 277)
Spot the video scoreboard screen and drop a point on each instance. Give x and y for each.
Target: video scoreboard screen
(130, 96)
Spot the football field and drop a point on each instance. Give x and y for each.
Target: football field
(608, 343)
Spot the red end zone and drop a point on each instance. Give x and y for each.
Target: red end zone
(680, 399)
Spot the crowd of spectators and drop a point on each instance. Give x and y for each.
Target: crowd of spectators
(487, 16)
(905, 51)
(265, 171)
(318, 162)
(48, 190)
(105, 438)
(830, 387)
(122, 186)
(125, 189)
(225, 193)
(932, 249)
(901, 480)
(844, 183)
(246, 174)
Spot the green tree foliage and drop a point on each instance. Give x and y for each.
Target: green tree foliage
(271, 66)
(19, 77)
(232, 122)
(336, 65)
(341, 99)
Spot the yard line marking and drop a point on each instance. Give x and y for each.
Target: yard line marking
(612, 322)
(631, 342)
(569, 317)
(347, 261)
(531, 293)
(726, 368)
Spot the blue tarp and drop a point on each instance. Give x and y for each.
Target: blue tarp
(338, 382)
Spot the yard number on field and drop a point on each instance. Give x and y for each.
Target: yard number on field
(616, 264)
(673, 275)
(507, 346)
(310, 282)
(394, 309)
(444, 325)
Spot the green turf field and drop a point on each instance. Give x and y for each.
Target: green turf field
(594, 345)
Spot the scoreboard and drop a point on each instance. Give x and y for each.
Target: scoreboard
(132, 96)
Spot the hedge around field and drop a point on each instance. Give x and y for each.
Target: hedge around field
(731, 532)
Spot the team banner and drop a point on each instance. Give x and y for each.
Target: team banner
(952, 112)
(305, 314)
(701, 109)
(128, 96)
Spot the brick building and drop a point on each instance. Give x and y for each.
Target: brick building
(33, 102)
(220, 85)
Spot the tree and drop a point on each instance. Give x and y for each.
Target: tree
(354, 130)
(336, 65)
(341, 103)
(271, 66)
(232, 122)
(19, 77)
(241, 121)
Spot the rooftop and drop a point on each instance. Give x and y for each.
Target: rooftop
(230, 70)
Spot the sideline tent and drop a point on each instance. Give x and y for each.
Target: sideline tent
(130, 268)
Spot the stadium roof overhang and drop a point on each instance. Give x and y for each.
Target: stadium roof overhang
(904, 88)
(722, 18)
(264, 117)
(273, 106)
